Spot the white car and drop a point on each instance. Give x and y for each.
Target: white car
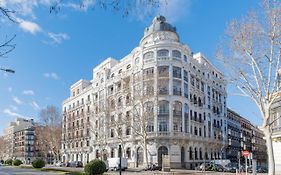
(113, 163)
(59, 164)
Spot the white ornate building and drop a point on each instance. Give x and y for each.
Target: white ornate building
(276, 133)
(187, 98)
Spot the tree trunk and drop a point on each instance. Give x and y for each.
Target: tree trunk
(271, 162)
(145, 152)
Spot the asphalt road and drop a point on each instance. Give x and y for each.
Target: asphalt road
(4, 170)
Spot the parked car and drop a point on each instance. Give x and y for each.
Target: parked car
(219, 168)
(113, 163)
(231, 167)
(259, 169)
(75, 164)
(203, 166)
(153, 167)
(59, 164)
(262, 169)
(214, 167)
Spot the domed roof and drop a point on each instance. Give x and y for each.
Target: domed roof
(159, 24)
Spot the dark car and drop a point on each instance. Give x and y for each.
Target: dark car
(262, 169)
(75, 164)
(259, 169)
(153, 167)
(231, 167)
(214, 167)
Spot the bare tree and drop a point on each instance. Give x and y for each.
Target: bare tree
(49, 132)
(3, 148)
(251, 54)
(7, 45)
(126, 7)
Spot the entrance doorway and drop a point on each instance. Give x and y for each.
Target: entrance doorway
(162, 150)
(139, 157)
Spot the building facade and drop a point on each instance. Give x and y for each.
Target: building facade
(19, 138)
(276, 132)
(243, 135)
(160, 97)
(259, 149)
(234, 147)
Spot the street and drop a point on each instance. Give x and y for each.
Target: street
(4, 170)
(7, 170)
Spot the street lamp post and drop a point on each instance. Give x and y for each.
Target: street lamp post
(7, 70)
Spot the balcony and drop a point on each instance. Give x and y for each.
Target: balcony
(166, 58)
(163, 133)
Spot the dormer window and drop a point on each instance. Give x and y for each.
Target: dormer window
(112, 75)
(120, 71)
(128, 66)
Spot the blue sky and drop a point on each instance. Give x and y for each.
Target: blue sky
(55, 50)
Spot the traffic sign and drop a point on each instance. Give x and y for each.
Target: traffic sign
(246, 153)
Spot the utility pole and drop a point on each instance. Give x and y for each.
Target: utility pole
(120, 156)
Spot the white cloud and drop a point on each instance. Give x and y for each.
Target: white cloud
(29, 26)
(11, 113)
(57, 38)
(28, 92)
(17, 100)
(51, 75)
(25, 7)
(84, 5)
(34, 105)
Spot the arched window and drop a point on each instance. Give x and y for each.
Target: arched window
(120, 71)
(163, 107)
(177, 107)
(177, 116)
(200, 154)
(128, 153)
(162, 53)
(163, 116)
(148, 55)
(148, 106)
(97, 154)
(112, 153)
(186, 121)
(176, 54)
(194, 99)
(190, 153)
(112, 75)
